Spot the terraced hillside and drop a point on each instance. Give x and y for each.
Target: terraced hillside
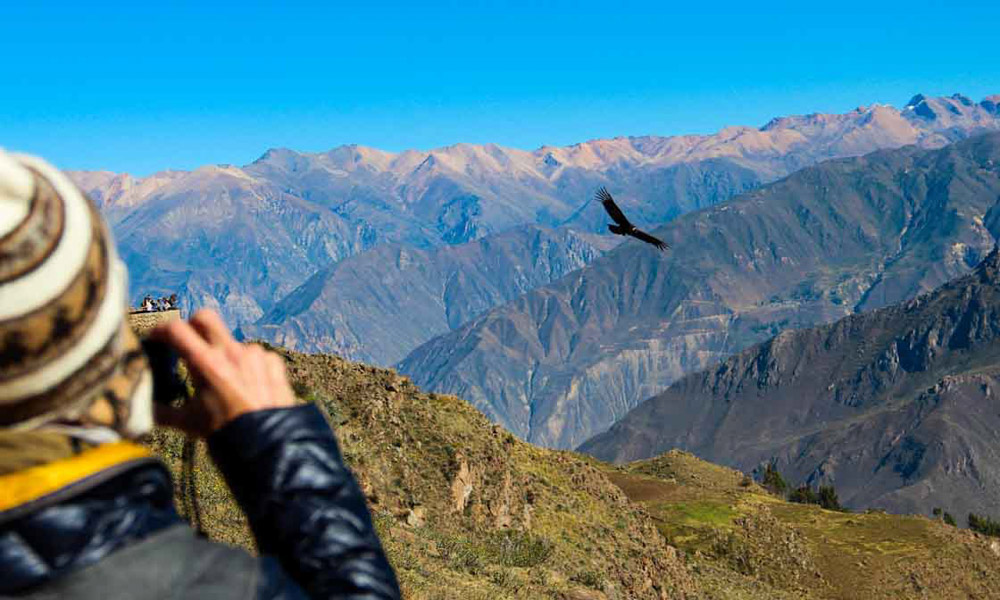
(468, 511)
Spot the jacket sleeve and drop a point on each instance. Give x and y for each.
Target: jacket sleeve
(303, 504)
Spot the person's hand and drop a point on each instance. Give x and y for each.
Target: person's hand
(231, 378)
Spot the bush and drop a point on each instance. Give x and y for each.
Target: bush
(591, 579)
(803, 494)
(460, 556)
(505, 579)
(984, 525)
(504, 549)
(517, 549)
(773, 481)
(944, 516)
(303, 391)
(828, 498)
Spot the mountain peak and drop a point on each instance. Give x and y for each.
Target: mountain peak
(273, 154)
(965, 100)
(991, 104)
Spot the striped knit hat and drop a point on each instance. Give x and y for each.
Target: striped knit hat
(67, 355)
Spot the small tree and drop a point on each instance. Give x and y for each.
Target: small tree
(773, 481)
(936, 511)
(828, 498)
(803, 494)
(984, 525)
(950, 520)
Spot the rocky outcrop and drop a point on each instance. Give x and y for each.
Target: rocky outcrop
(143, 322)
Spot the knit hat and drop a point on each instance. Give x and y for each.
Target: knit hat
(67, 354)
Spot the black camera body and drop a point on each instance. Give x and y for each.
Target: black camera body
(169, 385)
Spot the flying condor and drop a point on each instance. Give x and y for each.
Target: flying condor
(623, 225)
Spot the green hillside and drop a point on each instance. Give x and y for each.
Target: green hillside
(742, 542)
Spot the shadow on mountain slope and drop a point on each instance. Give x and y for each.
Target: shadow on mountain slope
(897, 406)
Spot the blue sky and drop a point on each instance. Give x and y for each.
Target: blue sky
(138, 89)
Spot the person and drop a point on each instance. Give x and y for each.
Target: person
(85, 512)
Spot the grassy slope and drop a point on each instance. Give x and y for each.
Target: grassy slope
(468, 511)
(535, 523)
(742, 540)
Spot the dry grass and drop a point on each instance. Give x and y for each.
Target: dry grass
(536, 523)
(749, 544)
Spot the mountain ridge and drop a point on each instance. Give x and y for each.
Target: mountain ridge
(576, 355)
(379, 305)
(239, 239)
(894, 406)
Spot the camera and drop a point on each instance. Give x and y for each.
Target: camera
(169, 384)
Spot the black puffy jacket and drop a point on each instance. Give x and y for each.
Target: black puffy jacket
(115, 533)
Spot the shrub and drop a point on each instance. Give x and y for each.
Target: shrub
(504, 579)
(302, 390)
(517, 549)
(803, 494)
(950, 520)
(984, 525)
(828, 498)
(591, 579)
(505, 549)
(460, 556)
(773, 481)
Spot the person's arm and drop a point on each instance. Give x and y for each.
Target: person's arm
(282, 463)
(304, 506)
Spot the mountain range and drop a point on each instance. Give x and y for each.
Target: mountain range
(896, 407)
(377, 306)
(566, 360)
(244, 239)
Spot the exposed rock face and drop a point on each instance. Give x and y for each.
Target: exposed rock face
(897, 407)
(379, 305)
(567, 360)
(241, 239)
(462, 486)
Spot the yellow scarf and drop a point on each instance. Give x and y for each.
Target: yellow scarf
(21, 450)
(36, 464)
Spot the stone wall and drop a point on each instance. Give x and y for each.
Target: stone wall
(142, 322)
